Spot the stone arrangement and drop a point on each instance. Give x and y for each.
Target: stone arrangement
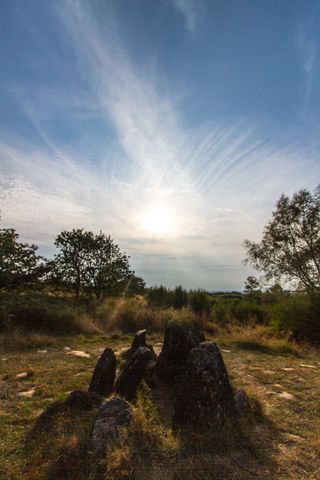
(190, 367)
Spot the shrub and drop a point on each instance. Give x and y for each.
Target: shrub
(298, 315)
(43, 313)
(199, 301)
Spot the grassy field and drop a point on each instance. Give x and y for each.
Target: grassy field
(280, 439)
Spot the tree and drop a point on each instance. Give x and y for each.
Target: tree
(251, 285)
(136, 285)
(19, 263)
(199, 301)
(89, 262)
(290, 245)
(180, 297)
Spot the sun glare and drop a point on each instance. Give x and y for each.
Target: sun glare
(157, 220)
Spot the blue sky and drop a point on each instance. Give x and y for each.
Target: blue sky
(172, 125)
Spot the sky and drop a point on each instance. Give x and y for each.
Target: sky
(172, 125)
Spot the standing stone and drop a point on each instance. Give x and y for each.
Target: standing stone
(176, 347)
(112, 414)
(140, 340)
(205, 397)
(195, 338)
(133, 372)
(104, 374)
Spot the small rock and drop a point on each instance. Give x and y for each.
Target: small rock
(288, 369)
(286, 396)
(42, 351)
(307, 366)
(269, 372)
(293, 438)
(112, 414)
(78, 353)
(4, 359)
(24, 375)
(27, 393)
(225, 350)
(66, 348)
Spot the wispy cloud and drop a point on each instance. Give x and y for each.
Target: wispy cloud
(190, 9)
(219, 181)
(309, 54)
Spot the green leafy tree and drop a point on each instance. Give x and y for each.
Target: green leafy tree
(251, 285)
(136, 285)
(89, 262)
(19, 262)
(290, 245)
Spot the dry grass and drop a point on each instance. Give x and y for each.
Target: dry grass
(279, 440)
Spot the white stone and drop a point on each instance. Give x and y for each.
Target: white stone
(78, 353)
(28, 393)
(286, 396)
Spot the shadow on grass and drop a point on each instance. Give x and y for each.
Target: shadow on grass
(57, 447)
(278, 349)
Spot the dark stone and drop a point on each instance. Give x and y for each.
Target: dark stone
(176, 347)
(205, 397)
(195, 338)
(133, 372)
(104, 374)
(112, 414)
(140, 340)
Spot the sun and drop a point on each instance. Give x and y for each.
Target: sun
(157, 220)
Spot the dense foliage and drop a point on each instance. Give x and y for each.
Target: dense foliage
(19, 262)
(290, 246)
(90, 263)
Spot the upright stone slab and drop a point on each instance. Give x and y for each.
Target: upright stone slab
(139, 340)
(195, 338)
(133, 372)
(205, 397)
(104, 374)
(173, 357)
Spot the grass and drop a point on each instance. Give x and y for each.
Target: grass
(278, 440)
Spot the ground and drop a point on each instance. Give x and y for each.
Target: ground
(280, 440)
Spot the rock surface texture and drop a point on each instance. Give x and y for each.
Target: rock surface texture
(104, 374)
(112, 415)
(175, 351)
(140, 340)
(133, 372)
(205, 397)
